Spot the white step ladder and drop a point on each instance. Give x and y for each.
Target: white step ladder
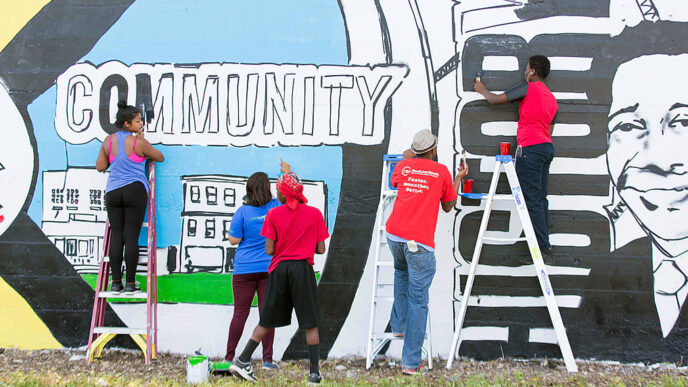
(516, 196)
(378, 341)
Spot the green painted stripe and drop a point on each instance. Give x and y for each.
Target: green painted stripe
(195, 288)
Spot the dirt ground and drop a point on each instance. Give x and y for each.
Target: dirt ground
(128, 367)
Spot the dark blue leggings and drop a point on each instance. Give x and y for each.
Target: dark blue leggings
(126, 208)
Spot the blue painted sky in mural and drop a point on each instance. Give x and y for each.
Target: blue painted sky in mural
(273, 31)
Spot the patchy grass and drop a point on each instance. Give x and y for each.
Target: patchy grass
(127, 368)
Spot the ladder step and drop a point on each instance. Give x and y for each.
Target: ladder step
(389, 193)
(387, 336)
(385, 284)
(385, 263)
(120, 330)
(491, 239)
(142, 295)
(483, 196)
(384, 299)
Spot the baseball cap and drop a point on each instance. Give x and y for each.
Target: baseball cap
(423, 141)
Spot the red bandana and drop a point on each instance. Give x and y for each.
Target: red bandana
(291, 187)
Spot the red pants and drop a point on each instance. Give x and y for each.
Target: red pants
(244, 286)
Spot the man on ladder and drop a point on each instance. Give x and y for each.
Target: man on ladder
(534, 138)
(422, 185)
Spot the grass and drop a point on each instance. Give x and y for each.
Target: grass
(295, 375)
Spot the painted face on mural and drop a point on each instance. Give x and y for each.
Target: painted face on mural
(647, 138)
(16, 161)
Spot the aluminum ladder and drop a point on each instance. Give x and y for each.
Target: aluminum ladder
(146, 338)
(378, 341)
(507, 162)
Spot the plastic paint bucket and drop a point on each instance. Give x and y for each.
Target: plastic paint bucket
(197, 369)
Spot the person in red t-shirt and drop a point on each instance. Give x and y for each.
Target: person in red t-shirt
(535, 151)
(422, 185)
(294, 232)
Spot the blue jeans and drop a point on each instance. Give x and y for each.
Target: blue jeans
(413, 273)
(532, 168)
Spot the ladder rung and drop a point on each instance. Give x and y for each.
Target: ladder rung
(483, 196)
(492, 239)
(385, 284)
(120, 330)
(123, 295)
(387, 336)
(384, 299)
(389, 193)
(385, 263)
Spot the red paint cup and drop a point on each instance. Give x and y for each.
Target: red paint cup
(467, 185)
(505, 148)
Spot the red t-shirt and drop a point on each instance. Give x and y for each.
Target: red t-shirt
(422, 185)
(536, 112)
(296, 233)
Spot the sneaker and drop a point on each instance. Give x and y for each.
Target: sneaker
(116, 287)
(314, 378)
(131, 288)
(267, 365)
(412, 371)
(397, 334)
(242, 370)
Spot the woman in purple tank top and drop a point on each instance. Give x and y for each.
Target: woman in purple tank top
(126, 193)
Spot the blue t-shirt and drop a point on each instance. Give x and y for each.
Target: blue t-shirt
(247, 222)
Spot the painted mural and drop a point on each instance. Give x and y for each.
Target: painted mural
(332, 86)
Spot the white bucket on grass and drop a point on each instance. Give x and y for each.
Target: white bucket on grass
(197, 369)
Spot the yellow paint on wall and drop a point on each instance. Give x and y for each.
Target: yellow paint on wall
(19, 325)
(14, 14)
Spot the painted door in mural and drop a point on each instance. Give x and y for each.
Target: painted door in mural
(331, 87)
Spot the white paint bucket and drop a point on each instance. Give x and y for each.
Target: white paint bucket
(197, 369)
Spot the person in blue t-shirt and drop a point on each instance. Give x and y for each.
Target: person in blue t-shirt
(250, 261)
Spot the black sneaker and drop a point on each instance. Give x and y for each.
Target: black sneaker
(242, 370)
(314, 378)
(131, 288)
(116, 287)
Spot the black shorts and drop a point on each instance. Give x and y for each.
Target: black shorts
(291, 286)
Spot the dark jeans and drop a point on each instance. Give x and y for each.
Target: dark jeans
(532, 168)
(126, 208)
(244, 286)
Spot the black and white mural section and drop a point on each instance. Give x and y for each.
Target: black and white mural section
(618, 184)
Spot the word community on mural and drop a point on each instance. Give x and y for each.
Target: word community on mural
(230, 104)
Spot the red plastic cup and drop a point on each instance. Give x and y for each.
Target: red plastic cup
(505, 148)
(467, 185)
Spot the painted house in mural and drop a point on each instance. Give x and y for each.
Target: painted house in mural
(74, 215)
(210, 202)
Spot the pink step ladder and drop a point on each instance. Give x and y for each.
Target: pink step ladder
(146, 338)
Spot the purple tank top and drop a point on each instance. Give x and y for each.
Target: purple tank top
(123, 170)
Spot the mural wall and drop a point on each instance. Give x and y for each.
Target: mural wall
(330, 87)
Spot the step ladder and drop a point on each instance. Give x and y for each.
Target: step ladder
(146, 338)
(378, 341)
(507, 162)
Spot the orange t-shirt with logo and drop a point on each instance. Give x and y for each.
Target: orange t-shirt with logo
(422, 185)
